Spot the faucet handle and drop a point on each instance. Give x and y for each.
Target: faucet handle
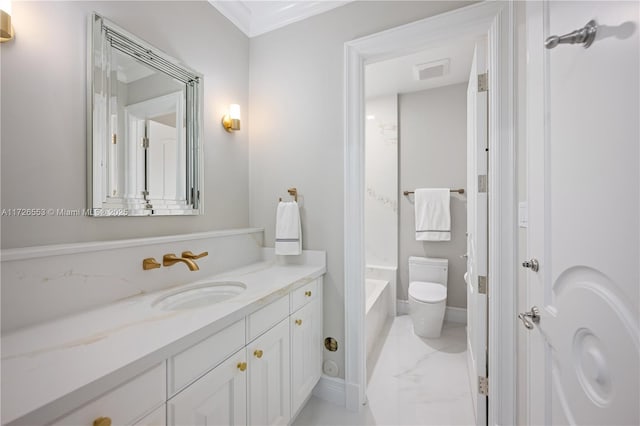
(150, 263)
(189, 255)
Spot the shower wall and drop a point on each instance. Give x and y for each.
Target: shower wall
(381, 181)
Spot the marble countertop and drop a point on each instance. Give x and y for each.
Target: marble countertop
(64, 363)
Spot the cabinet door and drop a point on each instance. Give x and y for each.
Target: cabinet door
(217, 398)
(269, 374)
(306, 351)
(156, 418)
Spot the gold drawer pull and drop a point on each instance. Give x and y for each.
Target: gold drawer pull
(242, 366)
(307, 293)
(102, 421)
(258, 353)
(299, 321)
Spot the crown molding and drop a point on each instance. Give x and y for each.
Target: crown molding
(255, 18)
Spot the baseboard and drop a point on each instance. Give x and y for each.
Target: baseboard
(451, 314)
(402, 307)
(457, 315)
(331, 389)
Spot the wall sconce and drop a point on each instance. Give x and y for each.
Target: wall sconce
(231, 120)
(6, 30)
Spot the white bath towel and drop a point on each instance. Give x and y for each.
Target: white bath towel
(433, 215)
(288, 229)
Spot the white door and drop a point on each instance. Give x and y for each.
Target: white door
(163, 161)
(269, 373)
(477, 231)
(217, 398)
(583, 161)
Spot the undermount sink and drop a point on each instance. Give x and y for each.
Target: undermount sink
(200, 295)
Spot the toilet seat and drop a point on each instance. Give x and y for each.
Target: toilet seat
(427, 292)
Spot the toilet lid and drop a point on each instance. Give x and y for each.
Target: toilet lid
(427, 292)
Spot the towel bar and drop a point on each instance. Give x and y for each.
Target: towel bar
(459, 191)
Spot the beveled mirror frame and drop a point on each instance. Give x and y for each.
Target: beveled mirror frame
(102, 35)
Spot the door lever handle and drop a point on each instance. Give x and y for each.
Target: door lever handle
(585, 35)
(533, 314)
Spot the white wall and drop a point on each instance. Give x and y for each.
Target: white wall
(43, 116)
(381, 182)
(433, 154)
(296, 131)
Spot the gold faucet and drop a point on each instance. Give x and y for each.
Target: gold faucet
(170, 259)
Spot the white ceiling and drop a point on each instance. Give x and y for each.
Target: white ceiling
(396, 75)
(255, 17)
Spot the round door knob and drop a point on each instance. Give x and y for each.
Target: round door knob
(531, 264)
(307, 293)
(257, 353)
(242, 366)
(299, 321)
(102, 421)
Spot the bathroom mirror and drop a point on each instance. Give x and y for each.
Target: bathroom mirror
(144, 131)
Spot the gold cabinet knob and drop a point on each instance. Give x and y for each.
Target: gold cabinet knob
(307, 293)
(102, 421)
(257, 353)
(299, 321)
(242, 366)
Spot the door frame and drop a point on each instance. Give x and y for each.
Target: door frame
(496, 20)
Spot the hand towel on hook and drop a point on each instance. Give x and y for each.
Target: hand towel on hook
(433, 215)
(288, 229)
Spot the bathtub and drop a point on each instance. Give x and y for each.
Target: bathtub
(379, 314)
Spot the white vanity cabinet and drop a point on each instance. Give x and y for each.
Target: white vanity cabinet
(157, 417)
(269, 396)
(264, 383)
(257, 371)
(306, 343)
(127, 404)
(217, 398)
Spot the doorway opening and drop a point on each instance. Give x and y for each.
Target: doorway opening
(493, 21)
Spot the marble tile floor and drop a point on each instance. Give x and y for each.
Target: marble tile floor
(415, 381)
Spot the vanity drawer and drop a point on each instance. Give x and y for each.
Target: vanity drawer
(304, 295)
(125, 404)
(195, 361)
(262, 320)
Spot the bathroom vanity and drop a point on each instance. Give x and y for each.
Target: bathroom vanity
(164, 356)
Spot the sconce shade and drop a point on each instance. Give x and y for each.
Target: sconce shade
(231, 120)
(234, 111)
(6, 30)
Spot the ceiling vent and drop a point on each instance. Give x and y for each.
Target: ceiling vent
(431, 69)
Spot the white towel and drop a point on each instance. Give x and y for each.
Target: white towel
(288, 229)
(433, 217)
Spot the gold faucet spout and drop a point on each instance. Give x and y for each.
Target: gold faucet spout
(170, 259)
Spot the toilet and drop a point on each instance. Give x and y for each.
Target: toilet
(427, 294)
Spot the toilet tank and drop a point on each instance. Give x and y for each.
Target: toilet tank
(428, 269)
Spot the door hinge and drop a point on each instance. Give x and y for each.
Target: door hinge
(483, 385)
(114, 139)
(483, 82)
(145, 142)
(482, 183)
(482, 284)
